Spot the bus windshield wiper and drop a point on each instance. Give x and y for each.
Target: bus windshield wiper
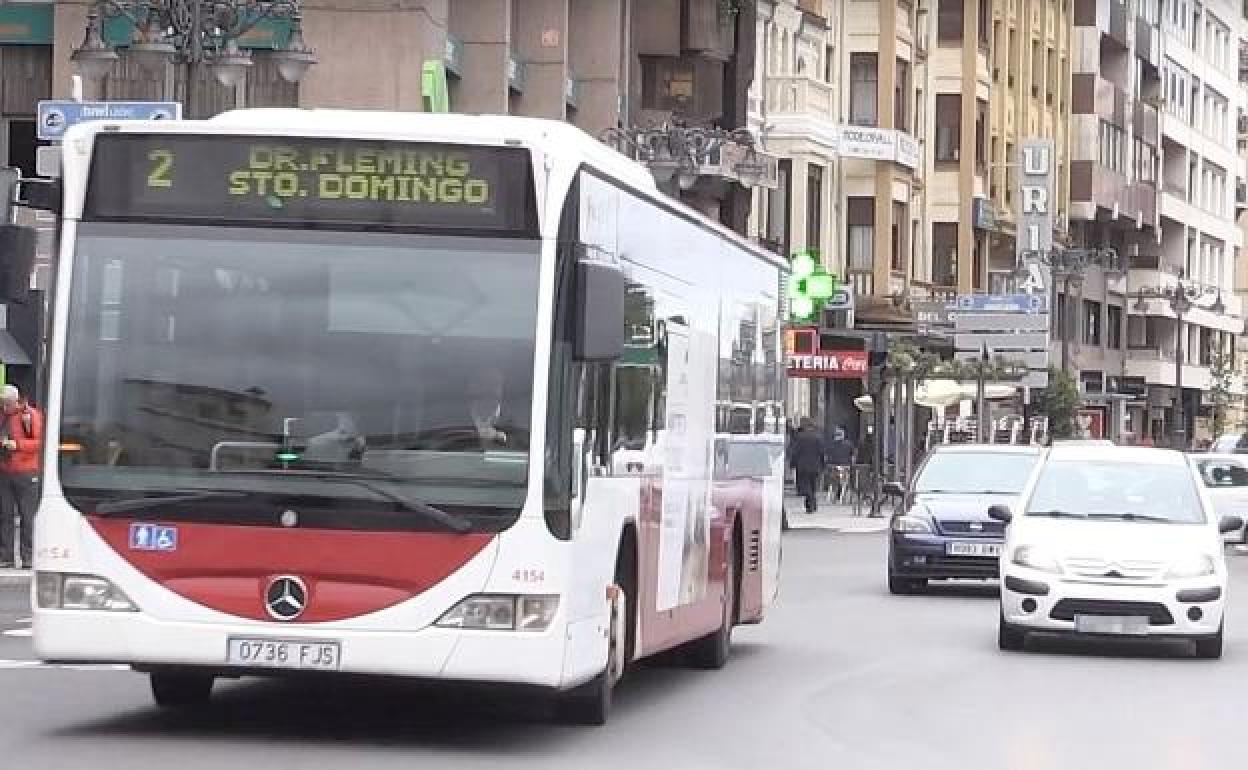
(1055, 514)
(128, 504)
(455, 523)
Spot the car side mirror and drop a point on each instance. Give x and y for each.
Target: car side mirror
(1230, 524)
(1000, 513)
(894, 489)
(599, 310)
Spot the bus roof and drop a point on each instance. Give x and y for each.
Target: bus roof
(552, 136)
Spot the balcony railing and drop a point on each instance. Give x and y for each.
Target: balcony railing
(800, 95)
(863, 281)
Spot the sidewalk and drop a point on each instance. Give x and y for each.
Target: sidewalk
(830, 517)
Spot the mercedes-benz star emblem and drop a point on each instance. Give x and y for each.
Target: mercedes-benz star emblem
(286, 598)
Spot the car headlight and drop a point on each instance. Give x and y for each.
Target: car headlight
(912, 524)
(1036, 558)
(1200, 565)
(502, 612)
(65, 591)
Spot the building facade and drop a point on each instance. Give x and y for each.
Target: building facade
(1198, 174)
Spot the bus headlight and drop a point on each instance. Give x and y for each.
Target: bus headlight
(63, 591)
(502, 612)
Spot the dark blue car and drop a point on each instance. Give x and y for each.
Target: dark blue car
(945, 531)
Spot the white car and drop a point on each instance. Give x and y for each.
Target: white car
(1114, 541)
(1226, 478)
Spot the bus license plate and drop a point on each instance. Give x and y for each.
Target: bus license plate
(973, 549)
(283, 653)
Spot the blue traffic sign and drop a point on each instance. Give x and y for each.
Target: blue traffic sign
(56, 116)
(1003, 303)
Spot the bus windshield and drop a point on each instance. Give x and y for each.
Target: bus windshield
(284, 362)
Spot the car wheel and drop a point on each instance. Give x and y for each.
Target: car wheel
(903, 585)
(1010, 638)
(179, 689)
(1210, 648)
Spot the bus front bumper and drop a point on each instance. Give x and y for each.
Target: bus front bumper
(136, 639)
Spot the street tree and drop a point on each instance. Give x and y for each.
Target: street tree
(1059, 402)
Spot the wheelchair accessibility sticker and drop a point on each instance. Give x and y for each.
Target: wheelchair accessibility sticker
(153, 537)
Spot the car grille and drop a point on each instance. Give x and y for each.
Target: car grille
(977, 565)
(1156, 613)
(986, 528)
(1114, 570)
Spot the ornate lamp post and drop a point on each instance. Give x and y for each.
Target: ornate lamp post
(1182, 297)
(674, 152)
(1067, 267)
(193, 33)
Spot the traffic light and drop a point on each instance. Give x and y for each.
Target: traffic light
(810, 286)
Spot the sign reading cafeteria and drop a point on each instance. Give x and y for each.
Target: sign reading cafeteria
(803, 358)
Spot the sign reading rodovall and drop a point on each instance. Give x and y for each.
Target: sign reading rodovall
(291, 180)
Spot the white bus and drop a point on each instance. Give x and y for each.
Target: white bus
(338, 391)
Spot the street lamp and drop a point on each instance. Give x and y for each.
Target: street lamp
(193, 33)
(1182, 298)
(1067, 267)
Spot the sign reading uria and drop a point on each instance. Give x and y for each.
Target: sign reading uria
(1035, 216)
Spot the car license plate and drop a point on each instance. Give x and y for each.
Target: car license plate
(283, 653)
(1129, 625)
(973, 549)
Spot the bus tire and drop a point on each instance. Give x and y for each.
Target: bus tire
(590, 703)
(712, 651)
(180, 689)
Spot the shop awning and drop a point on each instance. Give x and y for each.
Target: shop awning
(11, 353)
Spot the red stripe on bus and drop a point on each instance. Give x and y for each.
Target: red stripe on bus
(348, 573)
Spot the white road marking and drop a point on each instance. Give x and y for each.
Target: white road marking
(19, 632)
(21, 664)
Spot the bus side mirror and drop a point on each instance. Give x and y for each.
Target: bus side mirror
(17, 260)
(599, 311)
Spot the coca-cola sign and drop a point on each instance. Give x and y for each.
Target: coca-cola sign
(832, 364)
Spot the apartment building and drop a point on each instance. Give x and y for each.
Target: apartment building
(600, 64)
(1198, 174)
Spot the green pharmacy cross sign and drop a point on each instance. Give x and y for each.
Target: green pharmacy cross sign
(810, 286)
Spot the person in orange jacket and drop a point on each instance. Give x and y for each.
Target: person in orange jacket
(21, 444)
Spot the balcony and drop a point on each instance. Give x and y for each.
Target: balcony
(801, 95)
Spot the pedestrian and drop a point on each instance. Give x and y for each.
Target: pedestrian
(21, 440)
(809, 458)
(841, 458)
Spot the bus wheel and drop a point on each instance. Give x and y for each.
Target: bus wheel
(712, 650)
(180, 689)
(590, 704)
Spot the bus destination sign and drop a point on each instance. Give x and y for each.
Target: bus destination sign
(194, 178)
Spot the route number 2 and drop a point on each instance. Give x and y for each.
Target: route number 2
(162, 169)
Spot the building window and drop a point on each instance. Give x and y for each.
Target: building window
(814, 206)
(984, 22)
(948, 127)
(981, 136)
(778, 213)
(666, 83)
(1113, 328)
(1113, 147)
(864, 77)
(860, 227)
(901, 229)
(1091, 322)
(829, 64)
(945, 253)
(949, 22)
(901, 92)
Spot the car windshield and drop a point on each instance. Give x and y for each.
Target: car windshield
(1108, 489)
(975, 473)
(213, 358)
